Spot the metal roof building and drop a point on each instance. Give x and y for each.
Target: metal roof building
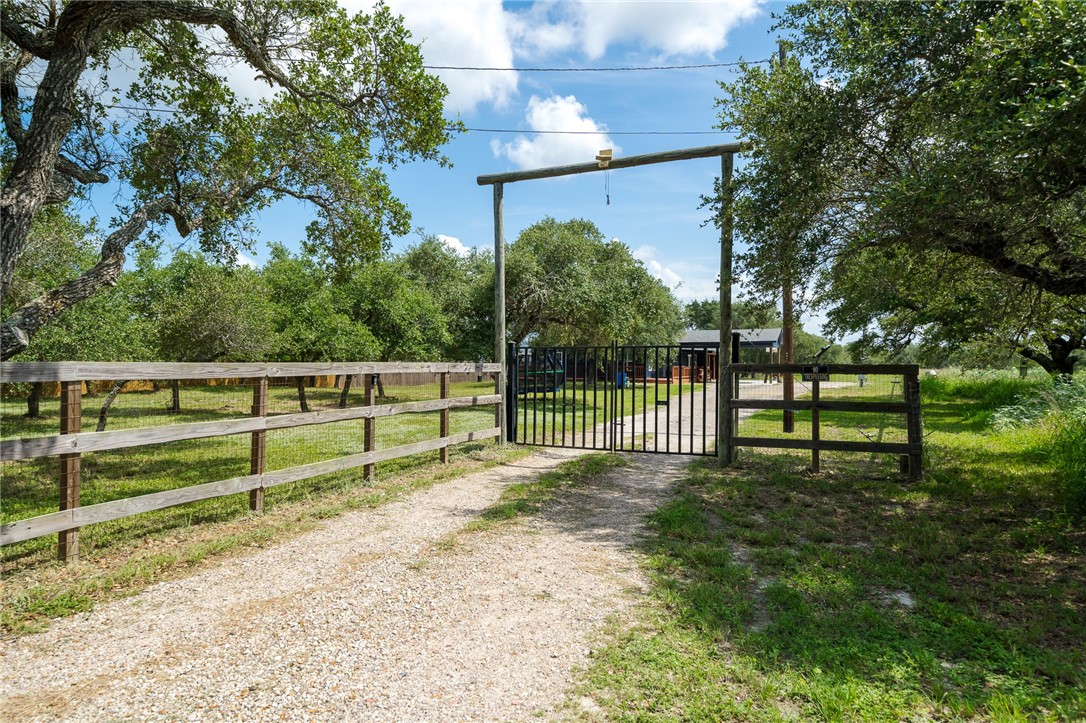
(748, 338)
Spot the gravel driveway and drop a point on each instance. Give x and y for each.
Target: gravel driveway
(375, 616)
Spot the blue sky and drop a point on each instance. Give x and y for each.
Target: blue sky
(654, 210)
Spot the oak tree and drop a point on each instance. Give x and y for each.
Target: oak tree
(146, 95)
(948, 132)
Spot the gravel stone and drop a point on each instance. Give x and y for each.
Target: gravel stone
(372, 617)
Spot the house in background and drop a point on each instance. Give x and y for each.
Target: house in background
(699, 347)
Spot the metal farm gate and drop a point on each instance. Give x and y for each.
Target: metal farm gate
(658, 399)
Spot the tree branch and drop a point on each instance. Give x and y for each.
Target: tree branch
(39, 45)
(17, 331)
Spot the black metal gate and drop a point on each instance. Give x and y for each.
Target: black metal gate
(658, 399)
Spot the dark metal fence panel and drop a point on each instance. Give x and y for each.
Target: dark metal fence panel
(643, 398)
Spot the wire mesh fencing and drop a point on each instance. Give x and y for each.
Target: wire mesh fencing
(179, 450)
(830, 410)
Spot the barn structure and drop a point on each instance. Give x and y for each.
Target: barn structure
(701, 343)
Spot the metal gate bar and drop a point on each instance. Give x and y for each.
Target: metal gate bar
(567, 380)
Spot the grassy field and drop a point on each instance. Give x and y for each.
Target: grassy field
(29, 487)
(855, 595)
(846, 426)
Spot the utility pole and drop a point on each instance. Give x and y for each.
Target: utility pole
(787, 355)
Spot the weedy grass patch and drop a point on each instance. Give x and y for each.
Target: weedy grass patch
(527, 498)
(855, 595)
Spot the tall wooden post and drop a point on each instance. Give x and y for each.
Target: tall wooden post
(786, 355)
(369, 441)
(257, 447)
(724, 452)
(444, 416)
(815, 434)
(71, 470)
(914, 426)
(499, 298)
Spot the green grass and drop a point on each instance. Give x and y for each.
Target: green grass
(527, 498)
(845, 426)
(855, 595)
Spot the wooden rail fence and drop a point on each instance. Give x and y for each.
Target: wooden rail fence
(71, 443)
(911, 451)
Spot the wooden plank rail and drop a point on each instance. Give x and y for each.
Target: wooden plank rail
(881, 369)
(12, 532)
(72, 443)
(833, 445)
(18, 449)
(78, 371)
(825, 405)
(911, 451)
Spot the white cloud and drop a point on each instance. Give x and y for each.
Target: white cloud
(674, 28)
(556, 113)
(482, 33)
(244, 260)
(454, 244)
(670, 28)
(463, 33)
(647, 255)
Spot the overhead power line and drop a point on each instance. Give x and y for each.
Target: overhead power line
(147, 109)
(600, 70)
(596, 133)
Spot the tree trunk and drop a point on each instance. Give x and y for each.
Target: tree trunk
(380, 388)
(89, 386)
(347, 379)
(103, 414)
(1059, 361)
(33, 401)
(175, 401)
(300, 382)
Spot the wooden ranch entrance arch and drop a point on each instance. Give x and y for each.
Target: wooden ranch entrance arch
(726, 152)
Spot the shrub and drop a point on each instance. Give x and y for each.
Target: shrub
(1058, 410)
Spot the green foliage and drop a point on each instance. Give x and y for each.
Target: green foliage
(1058, 410)
(1066, 445)
(1057, 397)
(311, 316)
(347, 98)
(204, 312)
(705, 314)
(359, 98)
(463, 288)
(403, 316)
(920, 166)
(990, 389)
(568, 286)
(109, 327)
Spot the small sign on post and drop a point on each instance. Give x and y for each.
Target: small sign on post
(816, 373)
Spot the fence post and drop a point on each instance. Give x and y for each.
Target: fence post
(914, 426)
(445, 416)
(369, 442)
(508, 404)
(257, 448)
(71, 421)
(500, 408)
(814, 426)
